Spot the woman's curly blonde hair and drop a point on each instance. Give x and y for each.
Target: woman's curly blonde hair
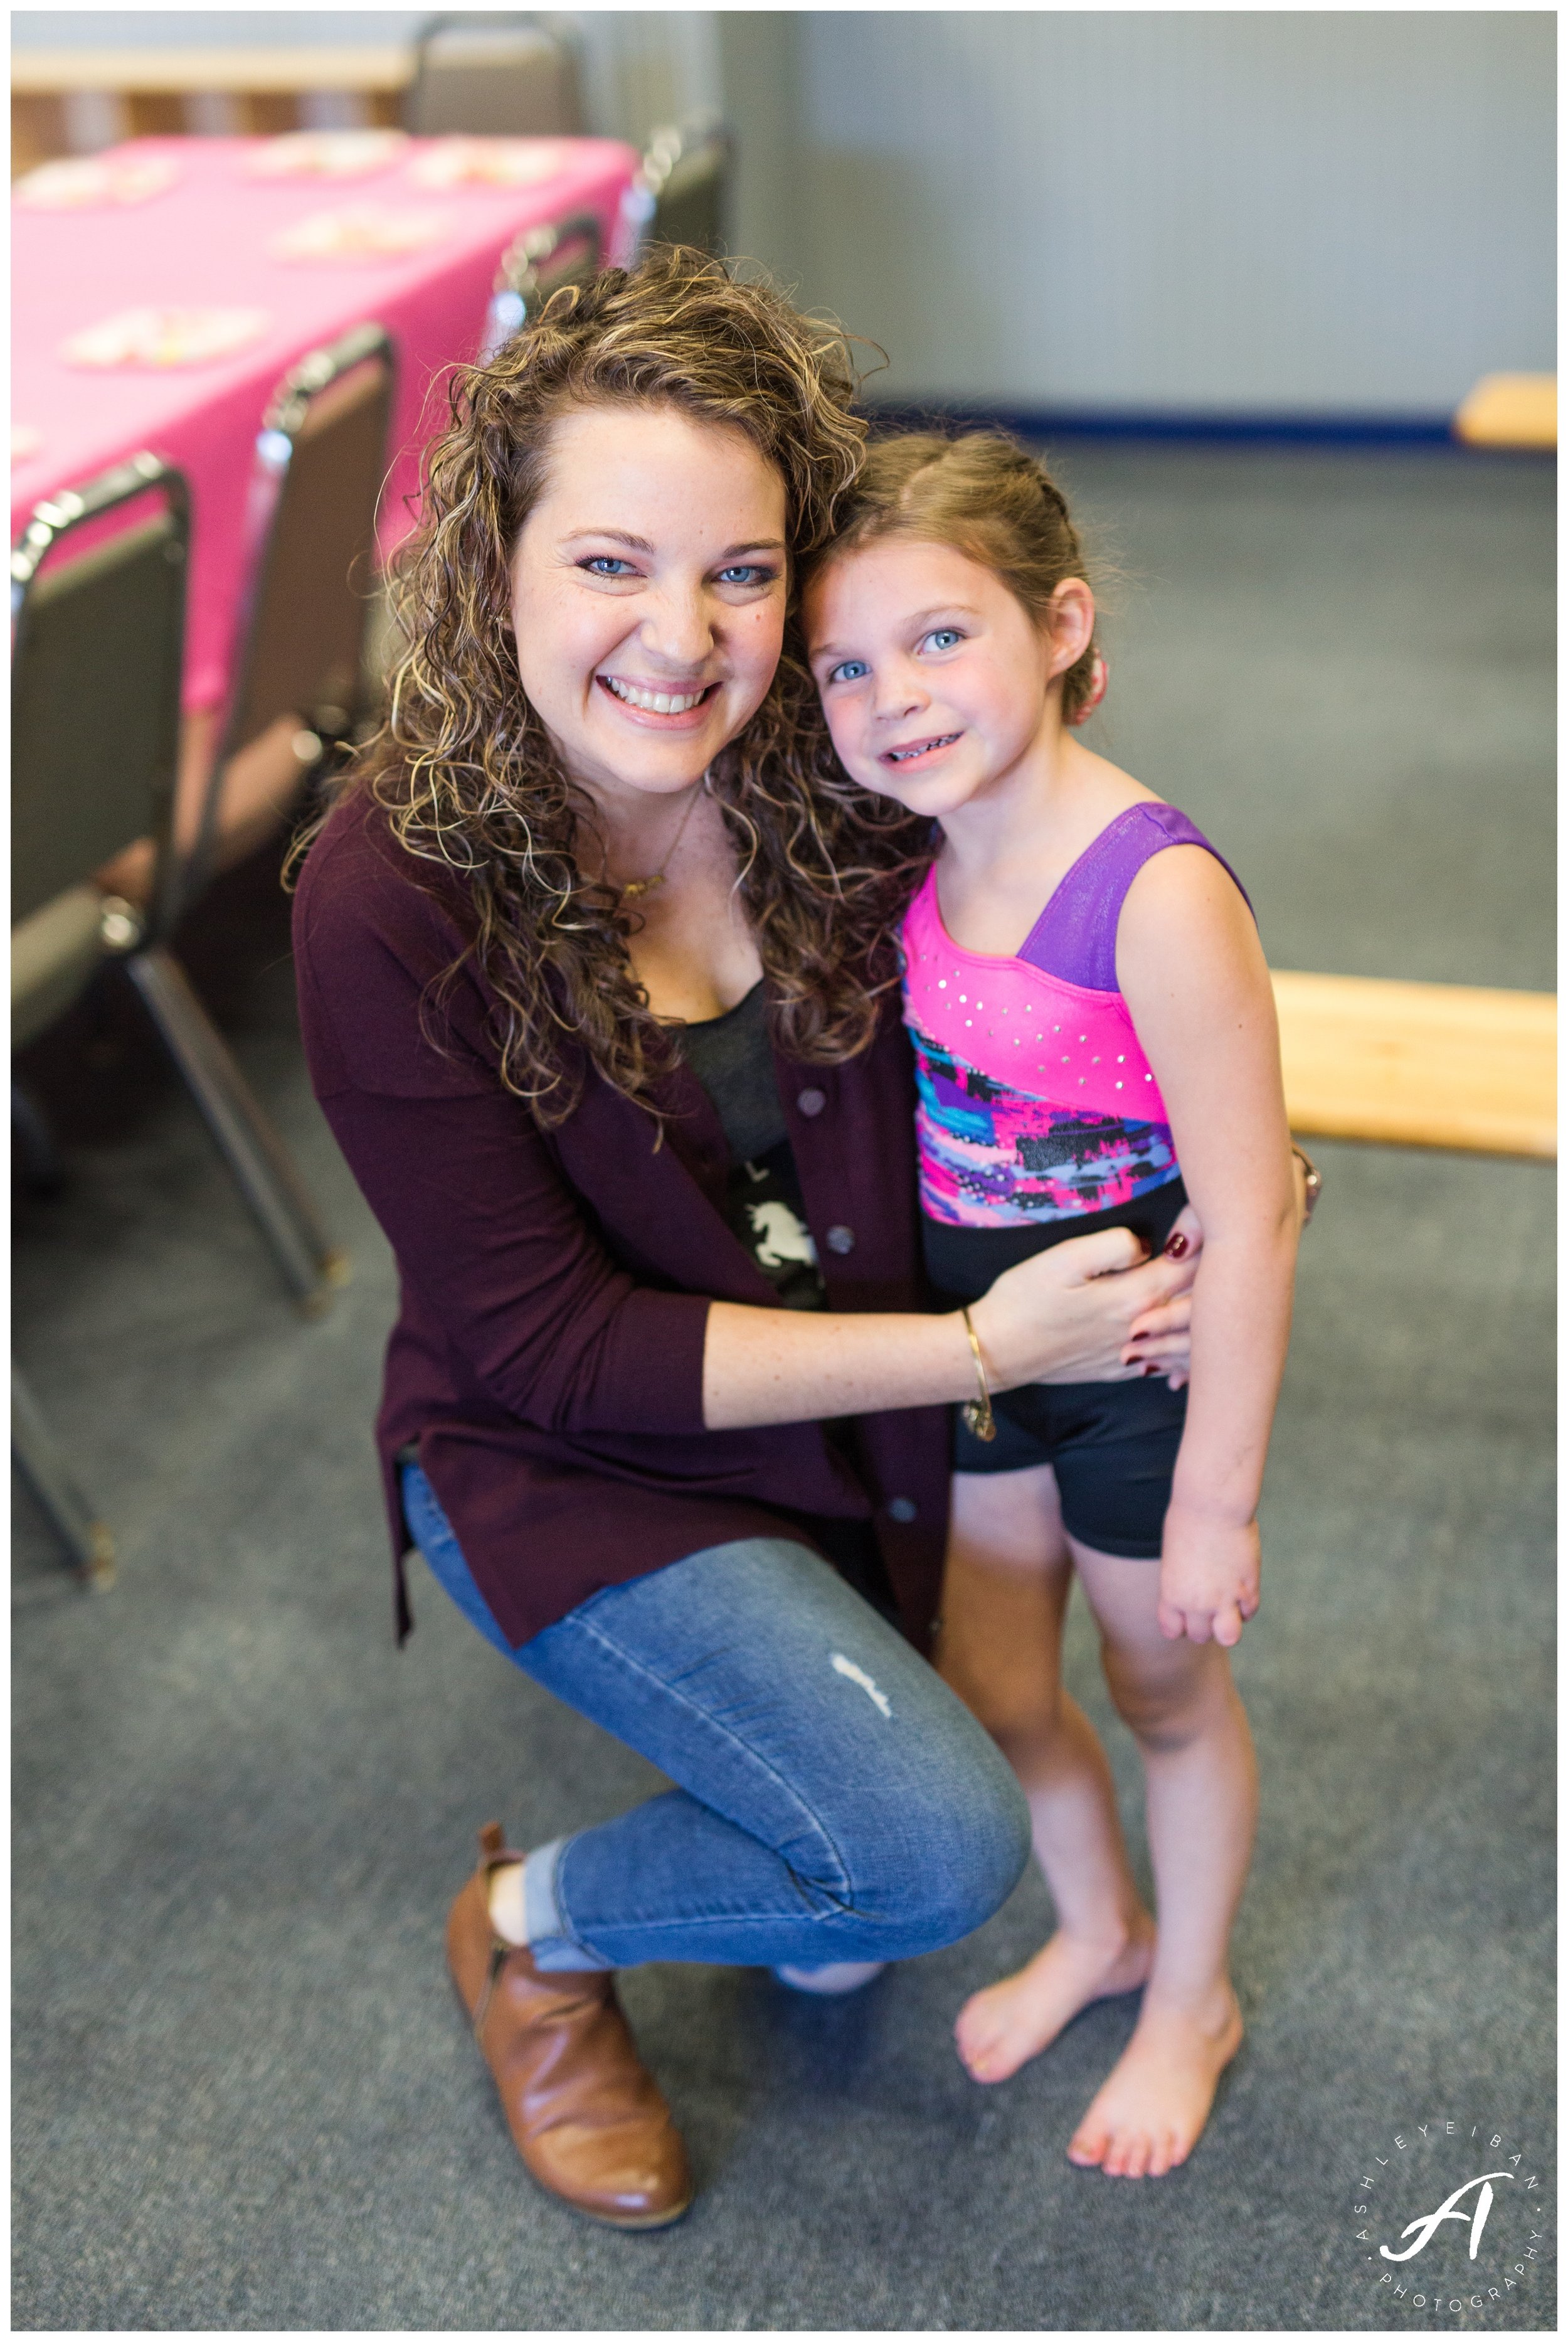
(466, 773)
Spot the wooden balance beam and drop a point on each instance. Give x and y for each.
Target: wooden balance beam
(1419, 1064)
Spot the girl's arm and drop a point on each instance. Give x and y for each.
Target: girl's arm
(1159, 1337)
(1192, 973)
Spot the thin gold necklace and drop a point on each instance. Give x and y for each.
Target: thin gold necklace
(635, 886)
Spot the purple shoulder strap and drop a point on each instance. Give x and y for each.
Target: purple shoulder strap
(1075, 937)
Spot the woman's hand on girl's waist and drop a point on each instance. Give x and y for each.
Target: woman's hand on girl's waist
(1160, 1341)
(1070, 1315)
(1065, 1316)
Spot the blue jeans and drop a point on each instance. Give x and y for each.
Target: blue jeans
(835, 1800)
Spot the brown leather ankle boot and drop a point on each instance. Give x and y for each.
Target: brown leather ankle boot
(589, 2119)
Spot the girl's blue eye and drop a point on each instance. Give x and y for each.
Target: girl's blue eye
(943, 639)
(607, 565)
(848, 671)
(745, 573)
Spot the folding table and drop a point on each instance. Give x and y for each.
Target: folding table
(233, 227)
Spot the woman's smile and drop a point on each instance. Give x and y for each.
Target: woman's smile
(668, 708)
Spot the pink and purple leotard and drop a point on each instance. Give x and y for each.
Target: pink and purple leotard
(1039, 1115)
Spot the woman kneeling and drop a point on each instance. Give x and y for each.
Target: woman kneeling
(599, 999)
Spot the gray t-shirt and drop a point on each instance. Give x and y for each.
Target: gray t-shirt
(730, 1057)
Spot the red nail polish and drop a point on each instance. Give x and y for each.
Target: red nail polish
(1176, 1245)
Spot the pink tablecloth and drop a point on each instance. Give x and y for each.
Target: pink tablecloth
(204, 242)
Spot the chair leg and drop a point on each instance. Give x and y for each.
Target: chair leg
(41, 1463)
(262, 1167)
(39, 1165)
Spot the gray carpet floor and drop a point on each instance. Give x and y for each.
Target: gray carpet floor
(244, 2096)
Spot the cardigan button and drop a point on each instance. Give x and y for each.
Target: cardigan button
(812, 1102)
(902, 1508)
(840, 1240)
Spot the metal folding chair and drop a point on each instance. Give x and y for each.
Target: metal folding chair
(536, 263)
(685, 186)
(492, 75)
(43, 1464)
(320, 465)
(96, 658)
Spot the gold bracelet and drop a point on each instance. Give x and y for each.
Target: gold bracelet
(1314, 1182)
(977, 1416)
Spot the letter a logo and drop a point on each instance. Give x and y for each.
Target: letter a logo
(1445, 2211)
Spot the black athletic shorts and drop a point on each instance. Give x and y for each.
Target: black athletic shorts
(1113, 1445)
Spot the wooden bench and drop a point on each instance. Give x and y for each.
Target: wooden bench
(1510, 410)
(159, 93)
(1420, 1065)
(67, 101)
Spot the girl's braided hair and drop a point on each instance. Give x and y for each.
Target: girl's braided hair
(466, 774)
(987, 497)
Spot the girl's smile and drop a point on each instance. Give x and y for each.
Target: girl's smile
(919, 752)
(935, 681)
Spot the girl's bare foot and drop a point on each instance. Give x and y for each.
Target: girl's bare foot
(1148, 2113)
(1001, 2028)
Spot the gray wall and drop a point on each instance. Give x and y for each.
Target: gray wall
(1245, 211)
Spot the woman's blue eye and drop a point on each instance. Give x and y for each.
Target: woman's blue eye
(848, 671)
(943, 639)
(745, 573)
(607, 565)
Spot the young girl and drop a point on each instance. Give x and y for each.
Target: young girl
(1094, 1040)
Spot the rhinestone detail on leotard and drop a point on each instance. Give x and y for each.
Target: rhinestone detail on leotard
(1036, 1101)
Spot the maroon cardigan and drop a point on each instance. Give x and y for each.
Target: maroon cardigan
(547, 1356)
